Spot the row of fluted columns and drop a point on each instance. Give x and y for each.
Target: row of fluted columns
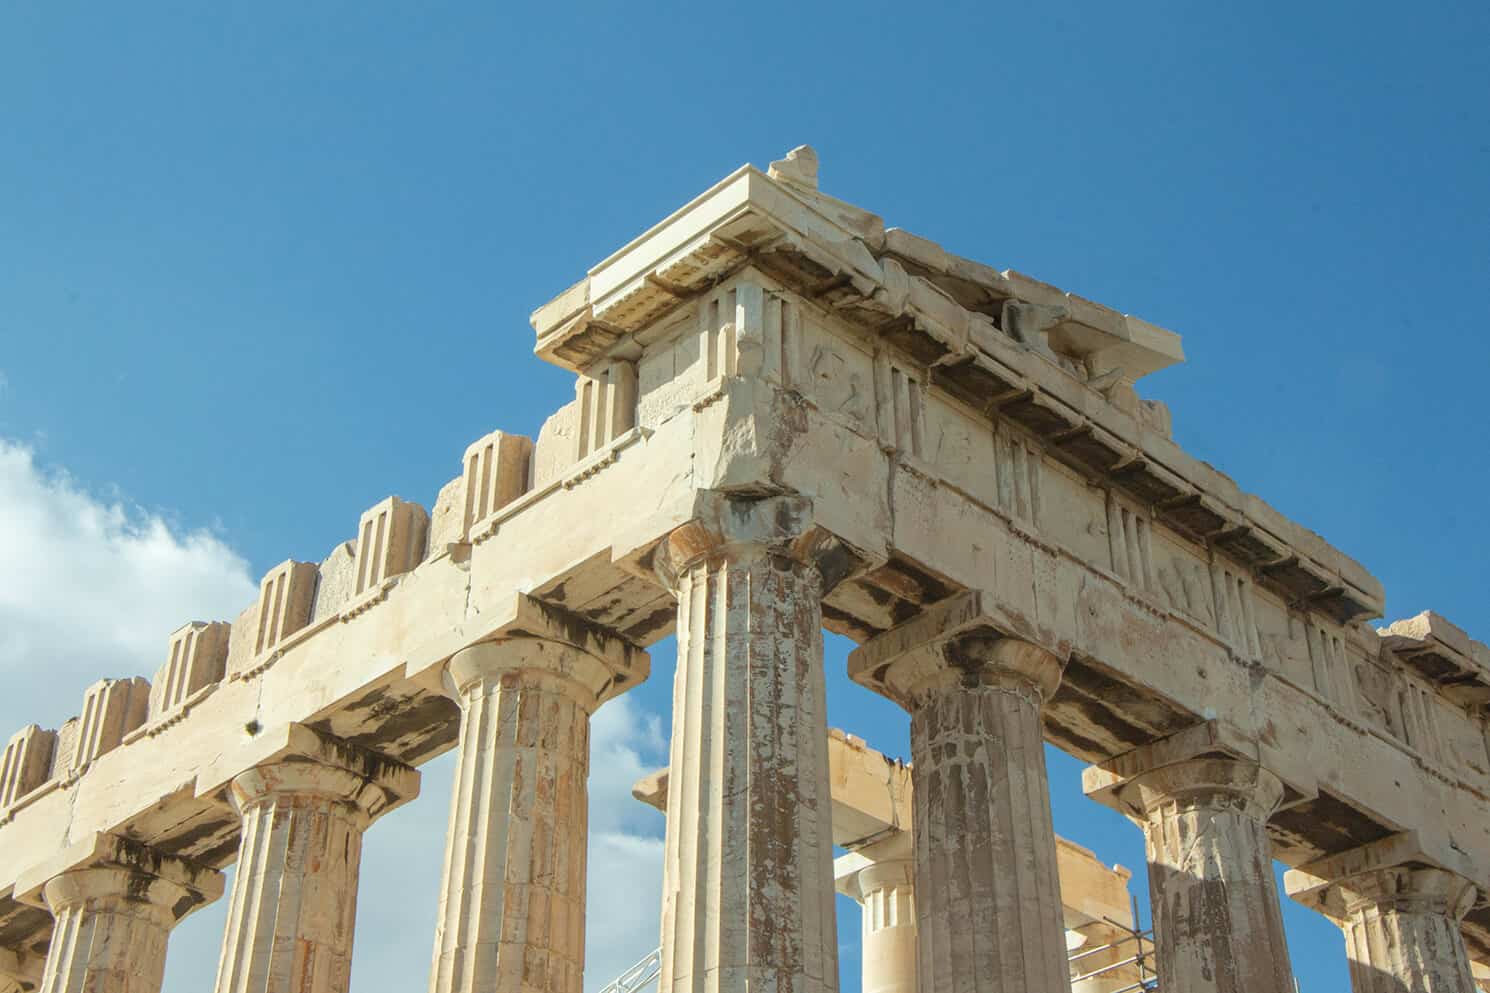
(971, 905)
(294, 897)
(512, 898)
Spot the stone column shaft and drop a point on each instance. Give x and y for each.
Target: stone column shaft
(113, 917)
(1400, 914)
(748, 879)
(883, 884)
(1402, 935)
(294, 902)
(512, 899)
(103, 941)
(990, 908)
(1218, 927)
(988, 914)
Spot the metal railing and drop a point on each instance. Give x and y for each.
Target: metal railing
(1141, 959)
(1147, 980)
(638, 977)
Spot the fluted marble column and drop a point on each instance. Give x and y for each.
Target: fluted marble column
(1218, 927)
(294, 899)
(881, 879)
(988, 893)
(113, 918)
(747, 871)
(512, 899)
(1402, 931)
(1400, 914)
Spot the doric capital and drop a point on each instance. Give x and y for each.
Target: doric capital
(1411, 889)
(318, 766)
(1129, 781)
(1218, 782)
(549, 645)
(123, 876)
(889, 875)
(886, 864)
(114, 889)
(1392, 875)
(734, 527)
(957, 642)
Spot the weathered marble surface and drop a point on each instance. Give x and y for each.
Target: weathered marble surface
(748, 857)
(512, 900)
(1217, 923)
(114, 915)
(293, 908)
(988, 908)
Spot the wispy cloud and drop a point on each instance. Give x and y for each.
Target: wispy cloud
(91, 587)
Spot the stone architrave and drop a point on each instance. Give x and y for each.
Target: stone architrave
(113, 914)
(512, 897)
(880, 878)
(988, 906)
(1218, 927)
(748, 866)
(1400, 915)
(294, 901)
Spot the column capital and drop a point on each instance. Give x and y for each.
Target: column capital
(542, 642)
(884, 864)
(960, 641)
(108, 872)
(320, 766)
(1132, 781)
(1213, 781)
(292, 757)
(1392, 874)
(735, 527)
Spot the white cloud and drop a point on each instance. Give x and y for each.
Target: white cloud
(92, 587)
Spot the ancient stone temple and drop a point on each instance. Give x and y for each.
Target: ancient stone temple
(789, 418)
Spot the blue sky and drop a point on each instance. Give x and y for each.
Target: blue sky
(262, 265)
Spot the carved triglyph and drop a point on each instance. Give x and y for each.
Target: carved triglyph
(1019, 463)
(1130, 544)
(1236, 620)
(900, 406)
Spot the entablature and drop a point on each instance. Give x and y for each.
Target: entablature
(1057, 365)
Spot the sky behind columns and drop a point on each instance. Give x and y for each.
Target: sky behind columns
(263, 264)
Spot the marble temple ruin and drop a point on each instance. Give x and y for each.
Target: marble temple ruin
(789, 418)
